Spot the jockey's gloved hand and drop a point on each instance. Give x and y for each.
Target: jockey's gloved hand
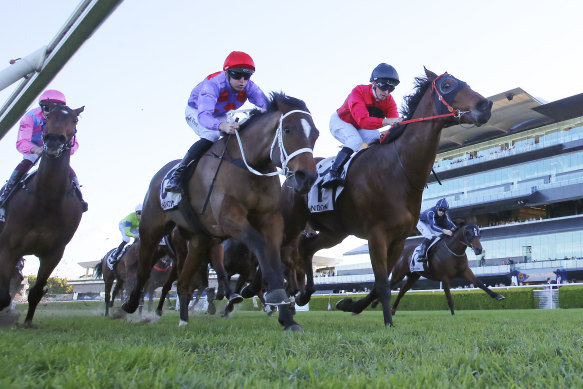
(391, 121)
(229, 127)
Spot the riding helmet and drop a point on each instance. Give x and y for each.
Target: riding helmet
(385, 71)
(139, 208)
(52, 95)
(442, 203)
(239, 60)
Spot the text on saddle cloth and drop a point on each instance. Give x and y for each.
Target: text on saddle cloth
(323, 199)
(169, 200)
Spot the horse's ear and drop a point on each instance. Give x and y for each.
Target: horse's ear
(430, 75)
(79, 110)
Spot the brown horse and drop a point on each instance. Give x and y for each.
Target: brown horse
(447, 260)
(243, 198)
(160, 274)
(382, 197)
(109, 277)
(199, 280)
(42, 218)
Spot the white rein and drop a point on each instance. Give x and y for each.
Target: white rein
(283, 155)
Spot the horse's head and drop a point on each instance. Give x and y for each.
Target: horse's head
(61, 126)
(453, 96)
(293, 145)
(469, 234)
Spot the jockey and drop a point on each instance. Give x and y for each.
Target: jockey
(209, 102)
(129, 228)
(366, 109)
(30, 144)
(432, 223)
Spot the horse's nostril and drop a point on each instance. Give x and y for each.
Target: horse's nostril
(484, 105)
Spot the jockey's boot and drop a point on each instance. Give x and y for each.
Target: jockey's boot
(423, 250)
(77, 187)
(16, 176)
(193, 154)
(334, 176)
(118, 251)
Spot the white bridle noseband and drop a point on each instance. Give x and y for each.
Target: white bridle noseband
(284, 157)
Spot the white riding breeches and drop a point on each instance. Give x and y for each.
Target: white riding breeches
(203, 132)
(349, 135)
(426, 231)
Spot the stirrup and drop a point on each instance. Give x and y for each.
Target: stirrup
(330, 180)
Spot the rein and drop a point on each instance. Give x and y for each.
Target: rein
(283, 155)
(456, 113)
(462, 242)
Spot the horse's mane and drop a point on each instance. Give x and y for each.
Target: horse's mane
(274, 104)
(412, 100)
(407, 111)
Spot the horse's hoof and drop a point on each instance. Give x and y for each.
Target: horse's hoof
(159, 312)
(500, 297)
(393, 311)
(236, 298)
(343, 304)
(295, 327)
(128, 308)
(302, 299)
(247, 293)
(182, 323)
(212, 309)
(277, 297)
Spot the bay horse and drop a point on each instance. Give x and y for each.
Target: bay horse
(109, 277)
(382, 196)
(243, 197)
(158, 277)
(42, 218)
(447, 260)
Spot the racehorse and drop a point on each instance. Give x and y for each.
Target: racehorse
(382, 196)
(158, 277)
(244, 199)
(109, 276)
(447, 260)
(42, 218)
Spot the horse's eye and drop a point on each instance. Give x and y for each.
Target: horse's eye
(286, 130)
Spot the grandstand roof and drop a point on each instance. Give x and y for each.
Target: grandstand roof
(513, 111)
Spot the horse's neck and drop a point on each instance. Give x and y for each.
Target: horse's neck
(52, 178)
(418, 144)
(256, 140)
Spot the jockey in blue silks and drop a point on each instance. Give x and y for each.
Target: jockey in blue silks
(432, 223)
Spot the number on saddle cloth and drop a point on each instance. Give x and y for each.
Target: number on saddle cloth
(169, 200)
(322, 199)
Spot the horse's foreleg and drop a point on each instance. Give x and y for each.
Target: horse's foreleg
(216, 254)
(411, 280)
(307, 247)
(380, 255)
(116, 289)
(108, 286)
(446, 289)
(148, 246)
(470, 276)
(47, 265)
(165, 289)
(8, 264)
(198, 247)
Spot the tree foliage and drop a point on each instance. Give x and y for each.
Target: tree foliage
(56, 285)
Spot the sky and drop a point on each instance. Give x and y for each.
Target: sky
(135, 73)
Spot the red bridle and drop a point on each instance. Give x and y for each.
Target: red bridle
(452, 112)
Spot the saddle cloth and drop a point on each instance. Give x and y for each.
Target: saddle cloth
(323, 199)
(17, 187)
(111, 260)
(414, 264)
(169, 200)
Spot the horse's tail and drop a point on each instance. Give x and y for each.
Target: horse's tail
(98, 270)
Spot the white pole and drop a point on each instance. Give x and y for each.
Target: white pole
(21, 67)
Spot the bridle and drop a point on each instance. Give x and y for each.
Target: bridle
(67, 146)
(455, 113)
(463, 241)
(284, 157)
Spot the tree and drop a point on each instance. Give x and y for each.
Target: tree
(56, 285)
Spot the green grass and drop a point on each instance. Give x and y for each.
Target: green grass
(75, 347)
